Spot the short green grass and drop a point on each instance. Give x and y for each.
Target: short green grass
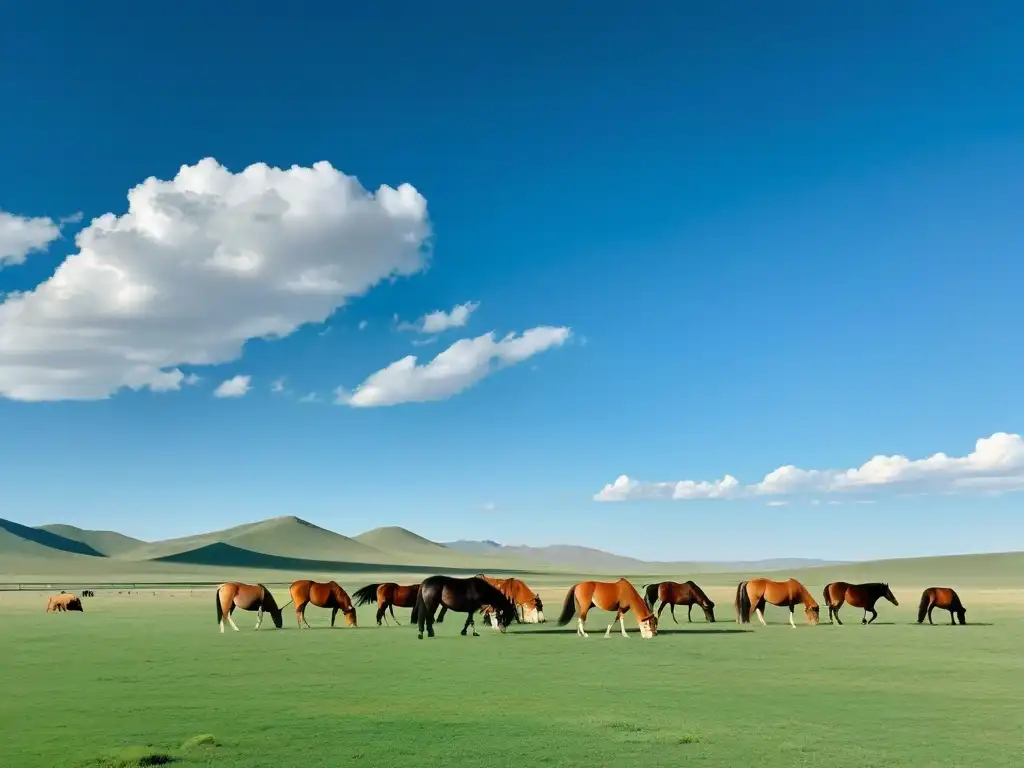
(149, 680)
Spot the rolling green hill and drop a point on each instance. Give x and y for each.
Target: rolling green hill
(107, 543)
(18, 539)
(395, 539)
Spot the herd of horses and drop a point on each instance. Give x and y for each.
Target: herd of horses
(504, 601)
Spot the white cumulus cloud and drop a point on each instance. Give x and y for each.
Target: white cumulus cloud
(21, 235)
(995, 465)
(236, 386)
(197, 266)
(439, 320)
(457, 368)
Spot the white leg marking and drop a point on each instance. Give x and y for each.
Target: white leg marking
(622, 625)
(579, 628)
(232, 623)
(608, 632)
(760, 615)
(791, 622)
(221, 622)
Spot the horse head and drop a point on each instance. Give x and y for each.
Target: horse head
(709, 611)
(648, 627)
(888, 595)
(962, 615)
(813, 614)
(533, 610)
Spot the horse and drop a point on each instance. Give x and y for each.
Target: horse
(753, 594)
(672, 593)
(322, 595)
(88, 593)
(619, 596)
(248, 597)
(941, 597)
(529, 607)
(463, 596)
(387, 596)
(63, 602)
(858, 595)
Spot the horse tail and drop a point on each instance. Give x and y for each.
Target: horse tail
(568, 606)
(650, 594)
(922, 608)
(220, 609)
(824, 594)
(742, 603)
(367, 594)
(419, 605)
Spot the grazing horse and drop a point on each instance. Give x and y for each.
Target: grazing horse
(858, 595)
(672, 593)
(462, 596)
(754, 594)
(88, 593)
(619, 596)
(529, 607)
(63, 602)
(323, 595)
(941, 597)
(387, 596)
(248, 597)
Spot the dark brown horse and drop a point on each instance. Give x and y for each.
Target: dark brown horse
(753, 595)
(462, 596)
(858, 595)
(941, 597)
(673, 593)
(619, 596)
(388, 595)
(323, 595)
(529, 607)
(248, 597)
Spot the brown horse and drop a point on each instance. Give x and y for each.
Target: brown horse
(619, 596)
(248, 597)
(754, 594)
(323, 595)
(529, 607)
(387, 596)
(672, 593)
(858, 595)
(941, 597)
(63, 602)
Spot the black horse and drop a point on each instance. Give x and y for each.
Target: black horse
(462, 596)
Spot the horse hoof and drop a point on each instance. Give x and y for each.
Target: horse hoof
(420, 635)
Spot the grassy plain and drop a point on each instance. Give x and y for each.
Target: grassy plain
(145, 674)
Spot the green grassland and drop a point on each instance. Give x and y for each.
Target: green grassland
(146, 677)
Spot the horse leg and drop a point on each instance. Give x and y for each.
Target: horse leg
(441, 613)
(931, 607)
(259, 617)
(672, 610)
(689, 614)
(874, 614)
(622, 624)
(230, 620)
(470, 623)
(759, 610)
(334, 613)
(391, 608)
(581, 621)
(791, 622)
(952, 617)
(380, 613)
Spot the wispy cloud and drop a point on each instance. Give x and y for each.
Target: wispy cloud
(439, 320)
(236, 386)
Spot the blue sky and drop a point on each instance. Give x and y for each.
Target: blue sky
(772, 237)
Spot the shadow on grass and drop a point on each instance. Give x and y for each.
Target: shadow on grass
(595, 630)
(48, 539)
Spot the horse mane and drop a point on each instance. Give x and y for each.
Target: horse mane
(700, 592)
(494, 596)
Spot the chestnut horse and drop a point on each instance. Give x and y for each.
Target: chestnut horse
(529, 607)
(754, 594)
(619, 596)
(672, 593)
(323, 595)
(63, 602)
(858, 595)
(248, 597)
(462, 596)
(941, 597)
(387, 596)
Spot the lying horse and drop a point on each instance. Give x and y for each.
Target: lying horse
(323, 595)
(941, 597)
(387, 596)
(462, 596)
(529, 607)
(619, 596)
(754, 594)
(248, 597)
(858, 595)
(672, 593)
(63, 602)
